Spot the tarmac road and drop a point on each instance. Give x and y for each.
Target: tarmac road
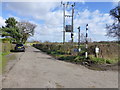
(35, 69)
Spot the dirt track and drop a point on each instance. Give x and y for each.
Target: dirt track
(35, 69)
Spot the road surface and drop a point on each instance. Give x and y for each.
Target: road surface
(35, 69)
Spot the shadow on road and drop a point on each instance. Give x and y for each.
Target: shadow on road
(15, 51)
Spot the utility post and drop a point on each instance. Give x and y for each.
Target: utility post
(64, 17)
(79, 38)
(72, 35)
(86, 53)
(119, 11)
(63, 22)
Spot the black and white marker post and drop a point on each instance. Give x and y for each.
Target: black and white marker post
(86, 53)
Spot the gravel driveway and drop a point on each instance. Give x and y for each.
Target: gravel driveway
(35, 69)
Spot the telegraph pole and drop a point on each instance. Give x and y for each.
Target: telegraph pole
(86, 53)
(64, 15)
(72, 35)
(119, 11)
(63, 22)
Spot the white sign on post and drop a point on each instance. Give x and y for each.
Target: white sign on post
(79, 49)
(97, 50)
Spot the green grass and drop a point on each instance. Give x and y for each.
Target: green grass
(3, 60)
(66, 57)
(102, 60)
(5, 47)
(0, 62)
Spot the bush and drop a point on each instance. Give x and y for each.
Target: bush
(107, 51)
(65, 57)
(54, 48)
(65, 52)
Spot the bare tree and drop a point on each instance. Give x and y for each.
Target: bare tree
(26, 29)
(83, 38)
(114, 29)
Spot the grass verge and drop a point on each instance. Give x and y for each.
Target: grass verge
(3, 60)
(60, 53)
(5, 57)
(103, 61)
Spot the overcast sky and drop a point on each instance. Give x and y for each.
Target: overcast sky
(48, 16)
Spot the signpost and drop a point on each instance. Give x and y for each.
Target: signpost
(86, 53)
(79, 49)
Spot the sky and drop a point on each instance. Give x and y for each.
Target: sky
(48, 16)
